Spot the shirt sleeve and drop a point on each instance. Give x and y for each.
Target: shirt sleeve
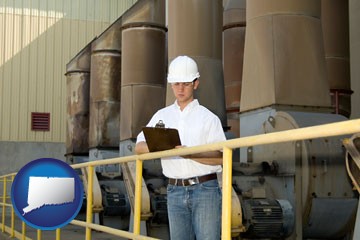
(216, 132)
(140, 137)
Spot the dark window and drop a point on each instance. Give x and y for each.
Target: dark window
(40, 121)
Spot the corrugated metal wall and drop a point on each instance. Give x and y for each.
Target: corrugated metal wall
(37, 39)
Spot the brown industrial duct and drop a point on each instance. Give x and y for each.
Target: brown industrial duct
(77, 102)
(143, 65)
(105, 83)
(335, 24)
(284, 61)
(234, 40)
(354, 17)
(195, 29)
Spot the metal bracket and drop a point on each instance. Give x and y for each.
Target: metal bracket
(249, 151)
(271, 120)
(160, 124)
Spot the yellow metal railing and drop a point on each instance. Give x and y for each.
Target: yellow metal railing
(326, 130)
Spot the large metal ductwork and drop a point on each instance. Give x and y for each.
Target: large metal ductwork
(195, 29)
(335, 25)
(142, 94)
(143, 66)
(77, 104)
(105, 80)
(233, 44)
(284, 60)
(105, 83)
(285, 87)
(78, 116)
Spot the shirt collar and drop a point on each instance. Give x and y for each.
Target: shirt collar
(190, 106)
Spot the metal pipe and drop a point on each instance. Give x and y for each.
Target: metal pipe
(324, 130)
(3, 207)
(234, 24)
(112, 231)
(226, 194)
(138, 185)
(12, 214)
(38, 234)
(58, 236)
(335, 29)
(337, 102)
(89, 212)
(23, 230)
(8, 175)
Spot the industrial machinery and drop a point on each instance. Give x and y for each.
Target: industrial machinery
(276, 79)
(352, 146)
(286, 85)
(302, 175)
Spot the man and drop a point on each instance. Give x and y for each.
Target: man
(193, 192)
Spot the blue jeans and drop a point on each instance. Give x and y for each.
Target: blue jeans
(194, 211)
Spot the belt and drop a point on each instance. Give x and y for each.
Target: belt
(193, 180)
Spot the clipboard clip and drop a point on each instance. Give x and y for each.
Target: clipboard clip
(160, 124)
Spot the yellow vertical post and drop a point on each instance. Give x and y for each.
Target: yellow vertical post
(38, 234)
(226, 194)
(12, 222)
(23, 230)
(138, 186)
(12, 215)
(3, 207)
(58, 234)
(89, 212)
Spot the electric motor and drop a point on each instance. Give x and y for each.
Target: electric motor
(265, 218)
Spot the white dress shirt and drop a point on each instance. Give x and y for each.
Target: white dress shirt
(197, 126)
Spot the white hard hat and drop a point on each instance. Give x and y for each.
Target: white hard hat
(183, 69)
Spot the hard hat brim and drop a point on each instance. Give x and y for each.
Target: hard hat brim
(174, 79)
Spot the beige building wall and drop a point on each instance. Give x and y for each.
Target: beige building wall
(37, 39)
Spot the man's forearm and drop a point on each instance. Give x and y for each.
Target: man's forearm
(208, 161)
(141, 147)
(208, 158)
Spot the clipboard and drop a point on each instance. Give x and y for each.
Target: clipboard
(160, 138)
